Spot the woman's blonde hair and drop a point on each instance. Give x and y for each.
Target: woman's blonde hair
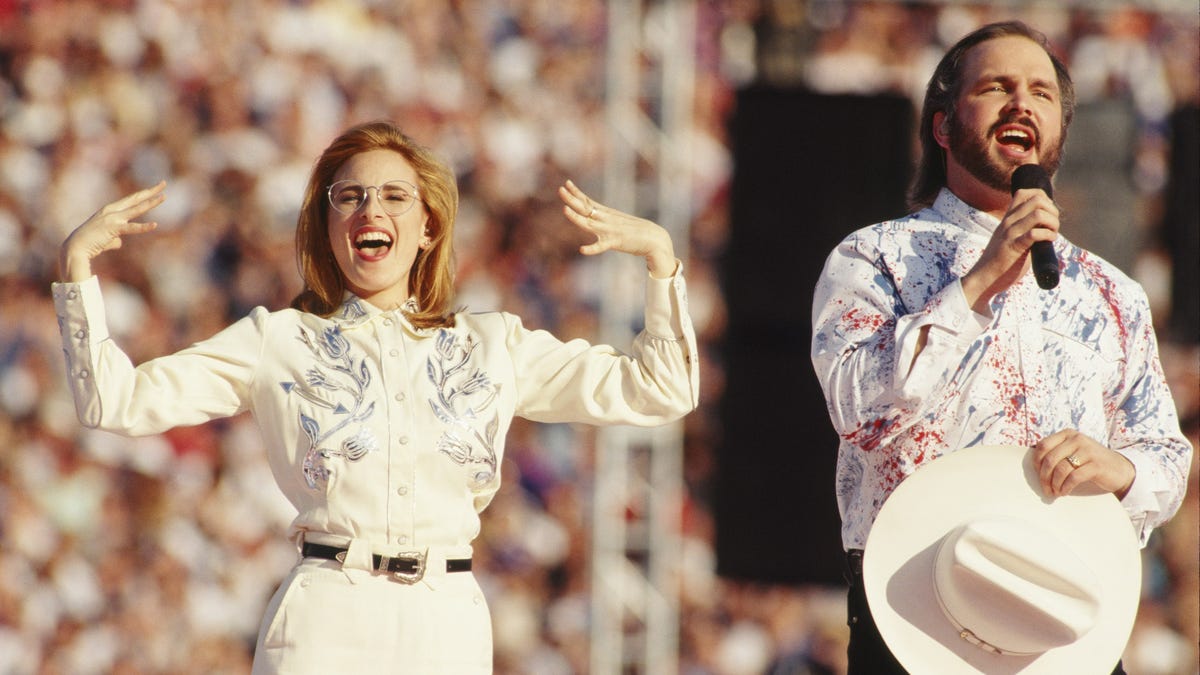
(431, 279)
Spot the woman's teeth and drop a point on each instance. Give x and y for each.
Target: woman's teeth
(372, 240)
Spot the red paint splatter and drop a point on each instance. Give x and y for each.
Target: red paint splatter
(869, 435)
(857, 319)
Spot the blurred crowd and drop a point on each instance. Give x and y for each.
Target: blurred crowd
(157, 554)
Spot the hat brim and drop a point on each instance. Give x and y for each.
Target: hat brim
(978, 482)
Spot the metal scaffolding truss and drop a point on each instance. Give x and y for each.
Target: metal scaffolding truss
(637, 498)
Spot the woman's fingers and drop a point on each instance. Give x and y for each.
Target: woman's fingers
(104, 229)
(577, 202)
(616, 230)
(135, 204)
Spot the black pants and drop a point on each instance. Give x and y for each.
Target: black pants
(868, 653)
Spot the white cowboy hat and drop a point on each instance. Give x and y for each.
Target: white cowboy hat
(969, 568)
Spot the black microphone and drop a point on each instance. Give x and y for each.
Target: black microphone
(1045, 262)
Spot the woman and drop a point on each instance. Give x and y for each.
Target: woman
(383, 412)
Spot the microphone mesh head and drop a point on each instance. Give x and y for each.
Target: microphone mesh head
(1032, 176)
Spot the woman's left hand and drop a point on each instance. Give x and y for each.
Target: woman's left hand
(619, 231)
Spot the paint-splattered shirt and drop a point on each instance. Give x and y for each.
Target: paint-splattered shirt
(1081, 356)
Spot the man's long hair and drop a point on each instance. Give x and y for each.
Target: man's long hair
(942, 94)
(431, 279)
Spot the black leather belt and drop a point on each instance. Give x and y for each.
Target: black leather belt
(408, 568)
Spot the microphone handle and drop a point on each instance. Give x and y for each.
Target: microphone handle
(1045, 264)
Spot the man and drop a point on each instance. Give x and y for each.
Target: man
(930, 333)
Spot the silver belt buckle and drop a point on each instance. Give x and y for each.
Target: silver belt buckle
(416, 557)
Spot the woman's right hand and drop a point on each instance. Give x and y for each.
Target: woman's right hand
(103, 231)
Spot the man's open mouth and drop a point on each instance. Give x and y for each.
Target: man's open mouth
(1020, 138)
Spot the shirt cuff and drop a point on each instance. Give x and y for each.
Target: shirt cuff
(949, 314)
(666, 305)
(953, 313)
(80, 310)
(1141, 502)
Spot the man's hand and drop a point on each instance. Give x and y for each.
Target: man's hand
(1031, 217)
(1067, 459)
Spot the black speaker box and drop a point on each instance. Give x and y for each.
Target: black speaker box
(808, 170)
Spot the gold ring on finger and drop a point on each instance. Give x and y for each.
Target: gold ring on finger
(1074, 461)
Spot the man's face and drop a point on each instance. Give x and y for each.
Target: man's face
(1009, 113)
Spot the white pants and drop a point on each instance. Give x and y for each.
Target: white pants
(326, 619)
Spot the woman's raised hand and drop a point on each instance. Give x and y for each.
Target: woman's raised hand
(619, 231)
(103, 231)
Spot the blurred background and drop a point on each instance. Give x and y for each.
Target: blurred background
(794, 123)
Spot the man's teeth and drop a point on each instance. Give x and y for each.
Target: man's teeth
(1016, 136)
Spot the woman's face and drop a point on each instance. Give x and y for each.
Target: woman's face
(375, 248)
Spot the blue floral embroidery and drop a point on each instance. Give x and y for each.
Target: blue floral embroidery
(338, 385)
(352, 313)
(464, 396)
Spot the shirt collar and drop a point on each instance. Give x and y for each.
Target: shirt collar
(956, 211)
(355, 312)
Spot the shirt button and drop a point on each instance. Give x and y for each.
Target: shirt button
(400, 397)
(402, 490)
(387, 322)
(403, 440)
(394, 352)
(402, 539)
(83, 374)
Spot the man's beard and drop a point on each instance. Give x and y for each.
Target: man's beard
(971, 152)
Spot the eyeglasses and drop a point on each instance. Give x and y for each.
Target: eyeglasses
(396, 197)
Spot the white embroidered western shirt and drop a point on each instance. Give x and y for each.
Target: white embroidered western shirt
(383, 435)
(1081, 356)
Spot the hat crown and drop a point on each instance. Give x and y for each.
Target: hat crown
(1011, 587)
(1082, 540)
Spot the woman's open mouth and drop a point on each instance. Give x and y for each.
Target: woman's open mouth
(372, 244)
